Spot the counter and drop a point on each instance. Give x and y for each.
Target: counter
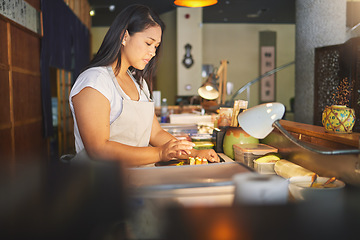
(176, 205)
(344, 167)
(102, 200)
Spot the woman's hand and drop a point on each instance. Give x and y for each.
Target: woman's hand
(209, 154)
(175, 149)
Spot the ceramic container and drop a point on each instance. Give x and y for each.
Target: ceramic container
(338, 119)
(300, 190)
(236, 135)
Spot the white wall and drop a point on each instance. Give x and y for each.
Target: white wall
(189, 31)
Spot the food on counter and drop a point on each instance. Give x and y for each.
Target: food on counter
(197, 161)
(266, 163)
(182, 162)
(203, 145)
(201, 137)
(288, 169)
(269, 158)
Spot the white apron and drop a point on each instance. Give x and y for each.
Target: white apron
(133, 126)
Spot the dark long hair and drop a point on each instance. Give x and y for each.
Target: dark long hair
(134, 18)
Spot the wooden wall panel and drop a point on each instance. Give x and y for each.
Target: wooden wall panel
(3, 45)
(27, 97)
(81, 8)
(4, 99)
(30, 146)
(34, 3)
(25, 50)
(6, 150)
(21, 128)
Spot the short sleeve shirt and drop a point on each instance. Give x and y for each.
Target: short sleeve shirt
(100, 79)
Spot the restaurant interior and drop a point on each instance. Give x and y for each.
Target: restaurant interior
(273, 86)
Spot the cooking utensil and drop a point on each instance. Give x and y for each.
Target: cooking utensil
(313, 179)
(330, 180)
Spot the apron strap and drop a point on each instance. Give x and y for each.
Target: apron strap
(113, 78)
(122, 94)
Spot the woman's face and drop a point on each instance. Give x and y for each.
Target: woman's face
(140, 48)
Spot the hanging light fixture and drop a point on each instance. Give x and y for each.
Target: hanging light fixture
(195, 3)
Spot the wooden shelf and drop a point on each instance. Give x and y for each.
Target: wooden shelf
(312, 132)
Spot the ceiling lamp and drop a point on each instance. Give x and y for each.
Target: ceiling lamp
(112, 8)
(195, 3)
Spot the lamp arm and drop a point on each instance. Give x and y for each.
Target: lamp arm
(259, 78)
(221, 68)
(299, 143)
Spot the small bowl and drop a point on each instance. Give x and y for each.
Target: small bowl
(299, 188)
(264, 168)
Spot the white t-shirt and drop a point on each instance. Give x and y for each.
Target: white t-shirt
(100, 79)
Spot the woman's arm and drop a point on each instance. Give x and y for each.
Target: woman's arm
(159, 137)
(92, 112)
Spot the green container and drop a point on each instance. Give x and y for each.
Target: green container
(203, 145)
(236, 135)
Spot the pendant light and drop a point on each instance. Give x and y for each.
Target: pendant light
(195, 3)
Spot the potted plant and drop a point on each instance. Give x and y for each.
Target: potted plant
(339, 118)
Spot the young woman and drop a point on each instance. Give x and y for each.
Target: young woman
(110, 101)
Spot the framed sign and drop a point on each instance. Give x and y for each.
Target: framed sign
(267, 84)
(22, 13)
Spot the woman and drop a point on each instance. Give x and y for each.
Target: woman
(110, 101)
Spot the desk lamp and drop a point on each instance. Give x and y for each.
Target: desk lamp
(215, 85)
(260, 120)
(209, 90)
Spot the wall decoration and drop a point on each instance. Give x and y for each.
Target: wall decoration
(22, 13)
(188, 59)
(267, 84)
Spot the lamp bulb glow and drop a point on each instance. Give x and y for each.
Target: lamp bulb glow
(112, 8)
(209, 88)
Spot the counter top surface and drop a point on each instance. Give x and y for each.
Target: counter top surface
(212, 174)
(350, 139)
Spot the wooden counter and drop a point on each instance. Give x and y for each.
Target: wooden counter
(317, 135)
(343, 167)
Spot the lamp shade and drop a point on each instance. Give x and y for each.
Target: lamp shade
(208, 91)
(258, 121)
(195, 3)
